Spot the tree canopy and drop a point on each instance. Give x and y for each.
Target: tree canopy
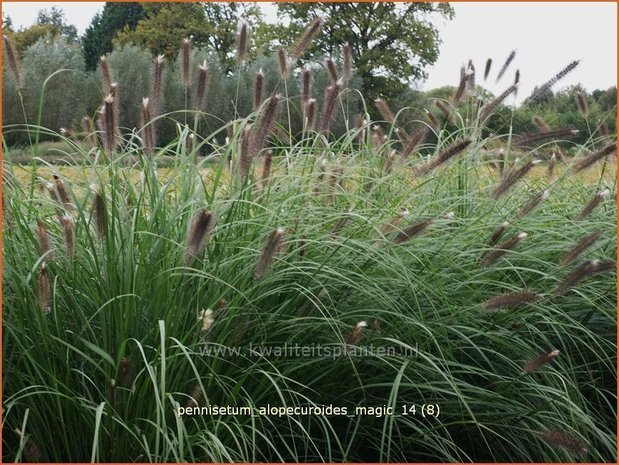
(50, 22)
(211, 25)
(392, 43)
(98, 38)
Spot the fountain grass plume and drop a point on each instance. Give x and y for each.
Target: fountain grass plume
(582, 272)
(346, 62)
(329, 103)
(563, 440)
(586, 161)
(448, 153)
(307, 84)
(14, 62)
(198, 234)
(106, 74)
(489, 108)
(533, 203)
(68, 234)
(282, 63)
(310, 114)
(506, 64)
(186, 63)
(551, 82)
(525, 140)
(270, 250)
(242, 43)
(147, 129)
(497, 234)
(332, 69)
(539, 361)
(45, 245)
(580, 247)
(493, 255)
(511, 178)
(258, 89)
(306, 38)
(487, 68)
(99, 215)
(512, 300)
(542, 126)
(245, 157)
(202, 85)
(384, 110)
(266, 169)
(593, 204)
(265, 124)
(155, 97)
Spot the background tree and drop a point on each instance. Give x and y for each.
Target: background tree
(55, 16)
(50, 23)
(211, 25)
(7, 23)
(104, 26)
(392, 43)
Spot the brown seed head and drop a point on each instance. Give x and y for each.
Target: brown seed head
(443, 156)
(264, 125)
(546, 86)
(346, 62)
(487, 69)
(412, 231)
(538, 362)
(354, 336)
(68, 230)
(581, 246)
(242, 43)
(282, 61)
(541, 124)
(13, 61)
(307, 84)
(310, 114)
(508, 61)
(307, 37)
(245, 157)
(332, 70)
(45, 245)
(157, 84)
(491, 256)
(532, 204)
(592, 204)
(44, 285)
(98, 210)
(258, 89)
(198, 234)
(584, 162)
(330, 99)
(512, 300)
(186, 62)
(511, 178)
(564, 440)
(384, 110)
(106, 74)
(266, 169)
(270, 250)
(581, 100)
(126, 371)
(498, 233)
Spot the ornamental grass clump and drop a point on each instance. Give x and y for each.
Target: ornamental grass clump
(305, 259)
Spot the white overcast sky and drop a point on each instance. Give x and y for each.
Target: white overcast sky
(546, 36)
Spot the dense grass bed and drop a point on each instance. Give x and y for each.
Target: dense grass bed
(417, 289)
(104, 339)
